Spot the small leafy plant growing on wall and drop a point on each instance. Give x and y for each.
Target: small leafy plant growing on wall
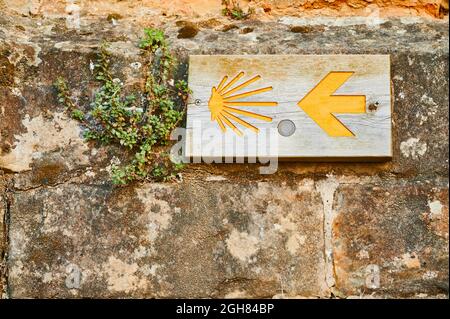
(233, 10)
(139, 123)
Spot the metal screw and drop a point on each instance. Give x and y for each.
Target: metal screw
(197, 102)
(286, 128)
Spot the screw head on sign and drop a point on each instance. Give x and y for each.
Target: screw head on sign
(286, 128)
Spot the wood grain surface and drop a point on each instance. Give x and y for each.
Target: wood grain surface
(286, 80)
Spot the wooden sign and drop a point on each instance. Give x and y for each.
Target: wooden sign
(321, 107)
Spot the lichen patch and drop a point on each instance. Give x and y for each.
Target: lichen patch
(121, 276)
(158, 211)
(45, 136)
(241, 245)
(413, 147)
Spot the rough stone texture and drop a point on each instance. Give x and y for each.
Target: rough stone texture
(261, 8)
(311, 229)
(2, 237)
(262, 239)
(4, 223)
(398, 244)
(356, 7)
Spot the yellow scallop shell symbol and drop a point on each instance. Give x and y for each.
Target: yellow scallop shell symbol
(221, 102)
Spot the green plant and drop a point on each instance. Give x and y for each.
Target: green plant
(152, 40)
(233, 10)
(140, 122)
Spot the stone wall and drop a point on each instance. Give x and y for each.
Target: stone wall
(310, 230)
(262, 8)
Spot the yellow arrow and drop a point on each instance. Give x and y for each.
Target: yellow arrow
(320, 104)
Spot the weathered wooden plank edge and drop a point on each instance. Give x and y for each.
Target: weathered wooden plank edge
(352, 159)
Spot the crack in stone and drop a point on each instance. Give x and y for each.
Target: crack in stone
(68, 180)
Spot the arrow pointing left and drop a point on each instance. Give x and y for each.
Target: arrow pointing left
(320, 104)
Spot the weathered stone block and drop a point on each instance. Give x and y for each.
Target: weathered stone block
(390, 238)
(222, 231)
(2, 247)
(419, 83)
(420, 117)
(211, 239)
(3, 236)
